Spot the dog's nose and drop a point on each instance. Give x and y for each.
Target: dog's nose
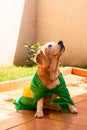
(60, 43)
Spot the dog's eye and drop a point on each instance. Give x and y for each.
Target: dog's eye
(49, 45)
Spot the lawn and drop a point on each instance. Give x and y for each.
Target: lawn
(16, 72)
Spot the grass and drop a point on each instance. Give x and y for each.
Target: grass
(16, 72)
(82, 67)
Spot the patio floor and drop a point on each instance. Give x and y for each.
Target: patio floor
(25, 120)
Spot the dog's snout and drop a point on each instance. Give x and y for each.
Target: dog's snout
(60, 43)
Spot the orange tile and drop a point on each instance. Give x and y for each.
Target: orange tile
(10, 119)
(27, 112)
(73, 127)
(83, 104)
(13, 84)
(80, 98)
(80, 72)
(23, 119)
(59, 116)
(77, 119)
(45, 124)
(41, 124)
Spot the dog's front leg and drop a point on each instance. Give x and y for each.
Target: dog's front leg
(73, 109)
(39, 112)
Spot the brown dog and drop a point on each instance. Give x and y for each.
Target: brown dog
(48, 72)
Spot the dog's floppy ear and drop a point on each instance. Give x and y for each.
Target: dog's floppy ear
(54, 64)
(41, 58)
(54, 71)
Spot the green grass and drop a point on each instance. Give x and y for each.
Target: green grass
(82, 67)
(16, 72)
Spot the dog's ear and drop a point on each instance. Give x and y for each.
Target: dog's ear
(54, 71)
(41, 58)
(54, 64)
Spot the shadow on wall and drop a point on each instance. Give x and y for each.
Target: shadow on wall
(26, 32)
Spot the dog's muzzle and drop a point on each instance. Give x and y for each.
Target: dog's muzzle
(62, 47)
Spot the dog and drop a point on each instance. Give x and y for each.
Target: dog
(47, 88)
(47, 59)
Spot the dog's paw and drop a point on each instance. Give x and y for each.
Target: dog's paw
(73, 109)
(39, 114)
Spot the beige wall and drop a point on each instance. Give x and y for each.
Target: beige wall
(29, 21)
(17, 26)
(64, 20)
(27, 31)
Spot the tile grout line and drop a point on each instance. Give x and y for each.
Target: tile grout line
(81, 101)
(20, 124)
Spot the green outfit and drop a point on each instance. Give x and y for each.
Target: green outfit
(35, 90)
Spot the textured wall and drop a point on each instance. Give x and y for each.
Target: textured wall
(27, 31)
(64, 20)
(29, 21)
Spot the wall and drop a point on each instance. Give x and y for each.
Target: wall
(30, 21)
(64, 20)
(17, 26)
(27, 31)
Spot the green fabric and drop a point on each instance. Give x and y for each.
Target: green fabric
(36, 90)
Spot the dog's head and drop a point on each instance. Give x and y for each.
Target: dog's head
(49, 54)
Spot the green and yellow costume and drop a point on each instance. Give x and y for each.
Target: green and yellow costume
(35, 90)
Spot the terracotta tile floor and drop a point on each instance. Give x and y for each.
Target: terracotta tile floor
(25, 120)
